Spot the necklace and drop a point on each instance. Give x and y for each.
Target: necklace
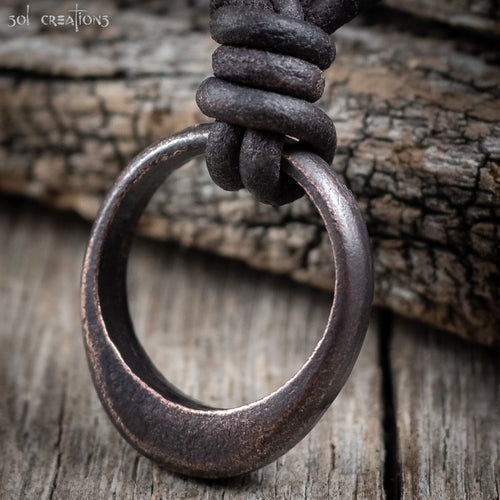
(270, 139)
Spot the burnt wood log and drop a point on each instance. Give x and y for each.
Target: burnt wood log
(417, 120)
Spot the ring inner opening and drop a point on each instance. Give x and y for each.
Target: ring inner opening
(220, 331)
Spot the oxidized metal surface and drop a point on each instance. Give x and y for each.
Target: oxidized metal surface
(158, 420)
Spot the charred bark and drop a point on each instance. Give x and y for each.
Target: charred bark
(419, 145)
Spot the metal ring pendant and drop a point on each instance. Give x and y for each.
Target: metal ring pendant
(156, 418)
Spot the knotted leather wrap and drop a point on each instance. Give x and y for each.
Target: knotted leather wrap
(268, 73)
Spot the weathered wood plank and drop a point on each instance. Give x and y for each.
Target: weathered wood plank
(219, 330)
(417, 119)
(482, 16)
(447, 395)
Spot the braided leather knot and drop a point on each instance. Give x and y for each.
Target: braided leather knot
(268, 72)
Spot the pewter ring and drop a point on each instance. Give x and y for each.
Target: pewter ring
(155, 417)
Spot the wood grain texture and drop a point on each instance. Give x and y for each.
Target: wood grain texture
(447, 396)
(416, 109)
(227, 335)
(220, 331)
(482, 16)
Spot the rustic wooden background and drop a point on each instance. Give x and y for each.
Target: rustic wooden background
(418, 418)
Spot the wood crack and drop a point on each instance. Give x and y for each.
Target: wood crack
(392, 465)
(58, 447)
